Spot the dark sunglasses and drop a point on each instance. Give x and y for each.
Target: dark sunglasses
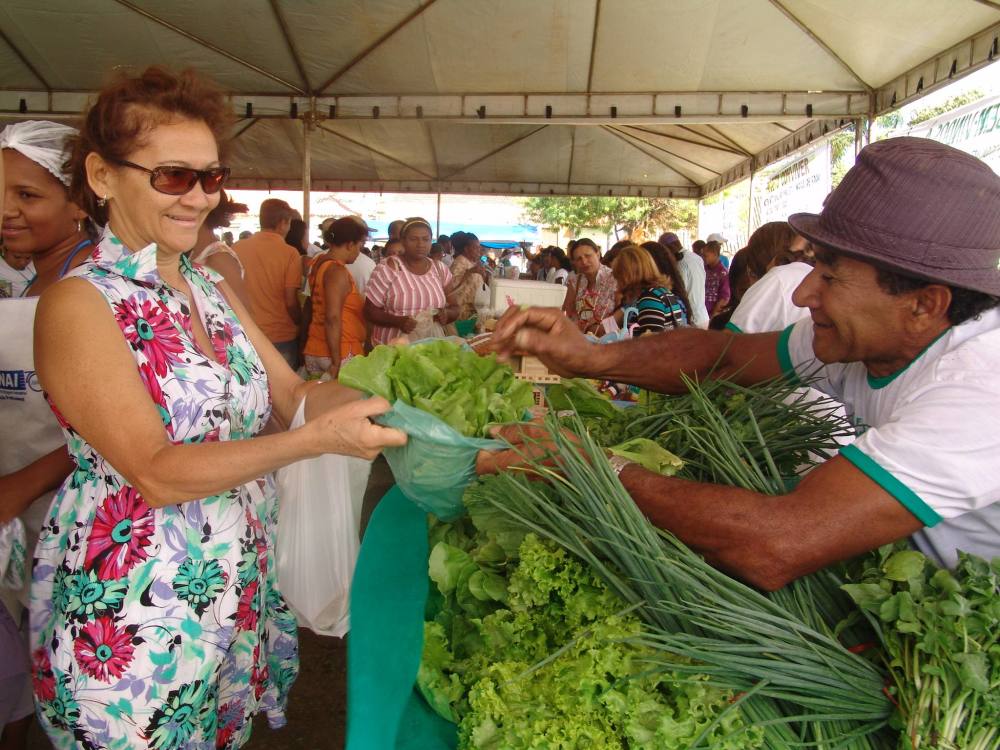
(181, 180)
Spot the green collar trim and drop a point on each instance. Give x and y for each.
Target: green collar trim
(734, 328)
(877, 383)
(785, 357)
(907, 497)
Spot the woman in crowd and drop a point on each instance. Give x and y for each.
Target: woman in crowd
(591, 291)
(647, 291)
(407, 294)
(559, 266)
(612, 253)
(776, 261)
(666, 263)
(467, 273)
(336, 330)
(217, 254)
(155, 566)
(42, 223)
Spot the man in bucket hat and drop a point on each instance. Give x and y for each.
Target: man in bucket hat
(904, 330)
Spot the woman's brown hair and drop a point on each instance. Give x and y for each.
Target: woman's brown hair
(667, 264)
(634, 268)
(127, 108)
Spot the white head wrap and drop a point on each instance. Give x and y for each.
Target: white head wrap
(44, 142)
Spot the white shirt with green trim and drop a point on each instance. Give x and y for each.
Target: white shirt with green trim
(929, 435)
(767, 304)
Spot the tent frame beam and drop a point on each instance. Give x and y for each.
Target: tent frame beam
(372, 149)
(820, 43)
(374, 45)
(462, 187)
(279, 17)
(593, 45)
(709, 146)
(613, 108)
(725, 143)
(209, 46)
(24, 60)
(494, 152)
(626, 130)
(654, 157)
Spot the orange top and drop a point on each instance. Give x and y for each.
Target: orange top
(270, 266)
(352, 324)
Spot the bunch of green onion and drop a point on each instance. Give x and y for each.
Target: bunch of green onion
(799, 682)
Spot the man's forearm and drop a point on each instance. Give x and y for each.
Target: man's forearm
(729, 526)
(21, 488)
(658, 361)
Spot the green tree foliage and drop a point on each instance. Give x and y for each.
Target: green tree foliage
(928, 113)
(623, 216)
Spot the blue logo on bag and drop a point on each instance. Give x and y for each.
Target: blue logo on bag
(15, 384)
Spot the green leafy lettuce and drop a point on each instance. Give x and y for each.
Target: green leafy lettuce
(526, 647)
(466, 391)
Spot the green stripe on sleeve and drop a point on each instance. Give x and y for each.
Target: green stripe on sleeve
(785, 357)
(910, 500)
(734, 328)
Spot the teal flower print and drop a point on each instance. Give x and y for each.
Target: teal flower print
(186, 711)
(199, 582)
(60, 594)
(62, 711)
(88, 597)
(239, 364)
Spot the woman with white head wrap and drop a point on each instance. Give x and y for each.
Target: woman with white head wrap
(39, 220)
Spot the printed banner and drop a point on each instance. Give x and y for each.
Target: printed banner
(799, 183)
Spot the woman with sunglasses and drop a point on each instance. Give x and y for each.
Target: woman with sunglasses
(41, 224)
(156, 621)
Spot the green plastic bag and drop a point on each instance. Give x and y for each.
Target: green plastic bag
(436, 464)
(388, 602)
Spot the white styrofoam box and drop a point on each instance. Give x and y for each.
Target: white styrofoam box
(524, 292)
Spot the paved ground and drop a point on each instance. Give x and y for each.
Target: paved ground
(317, 705)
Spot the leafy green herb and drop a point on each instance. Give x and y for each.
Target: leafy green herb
(940, 634)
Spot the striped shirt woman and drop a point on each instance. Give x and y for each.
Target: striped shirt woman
(403, 291)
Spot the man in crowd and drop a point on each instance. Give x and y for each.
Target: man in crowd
(717, 237)
(395, 227)
(693, 274)
(716, 279)
(449, 252)
(904, 330)
(273, 275)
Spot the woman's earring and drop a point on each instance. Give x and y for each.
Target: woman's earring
(102, 202)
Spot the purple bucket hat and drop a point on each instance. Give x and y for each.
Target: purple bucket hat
(919, 207)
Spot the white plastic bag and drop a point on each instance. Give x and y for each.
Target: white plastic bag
(319, 513)
(13, 555)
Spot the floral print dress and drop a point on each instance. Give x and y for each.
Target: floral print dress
(163, 627)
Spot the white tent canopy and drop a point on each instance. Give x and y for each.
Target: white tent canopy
(601, 97)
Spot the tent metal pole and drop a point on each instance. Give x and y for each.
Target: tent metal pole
(306, 170)
(437, 231)
(750, 206)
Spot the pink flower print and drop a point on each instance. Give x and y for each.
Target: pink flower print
(156, 393)
(122, 529)
(42, 678)
(248, 609)
(222, 338)
(149, 330)
(102, 650)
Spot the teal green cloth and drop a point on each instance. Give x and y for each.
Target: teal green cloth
(388, 600)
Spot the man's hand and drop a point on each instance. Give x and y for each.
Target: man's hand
(527, 441)
(548, 334)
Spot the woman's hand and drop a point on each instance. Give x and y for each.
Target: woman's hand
(407, 324)
(348, 431)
